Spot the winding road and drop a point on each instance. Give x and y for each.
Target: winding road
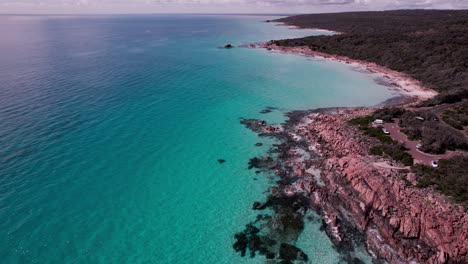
(418, 156)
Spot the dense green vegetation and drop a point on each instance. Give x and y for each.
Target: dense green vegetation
(388, 114)
(457, 117)
(377, 133)
(450, 178)
(361, 121)
(395, 151)
(429, 45)
(387, 147)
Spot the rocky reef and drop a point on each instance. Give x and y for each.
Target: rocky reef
(323, 164)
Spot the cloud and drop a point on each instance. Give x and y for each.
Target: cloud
(277, 2)
(252, 6)
(460, 4)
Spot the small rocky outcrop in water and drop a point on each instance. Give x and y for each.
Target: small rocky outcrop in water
(273, 236)
(255, 125)
(259, 206)
(251, 240)
(262, 163)
(267, 110)
(290, 253)
(228, 46)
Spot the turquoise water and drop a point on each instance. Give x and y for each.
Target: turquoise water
(111, 127)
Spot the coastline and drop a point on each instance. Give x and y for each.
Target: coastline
(326, 161)
(284, 24)
(405, 84)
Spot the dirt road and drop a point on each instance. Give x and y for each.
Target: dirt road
(418, 156)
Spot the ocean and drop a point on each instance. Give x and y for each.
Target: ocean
(111, 128)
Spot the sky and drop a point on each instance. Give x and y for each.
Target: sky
(216, 6)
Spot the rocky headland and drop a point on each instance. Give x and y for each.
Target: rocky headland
(324, 164)
(401, 223)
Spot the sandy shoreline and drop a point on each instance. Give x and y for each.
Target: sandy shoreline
(405, 84)
(283, 24)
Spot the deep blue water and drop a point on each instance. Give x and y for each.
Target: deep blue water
(111, 127)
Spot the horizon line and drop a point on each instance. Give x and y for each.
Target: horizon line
(217, 13)
(142, 13)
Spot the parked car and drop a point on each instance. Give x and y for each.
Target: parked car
(385, 131)
(435, 164)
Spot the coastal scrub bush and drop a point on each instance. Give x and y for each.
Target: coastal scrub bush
(394, 151)
(361, 121)
(389, 113)
(377, 133)
(452, 120)
(450, 178)
(446, 97)
(388, 147)
(457, 117)
(413, 134)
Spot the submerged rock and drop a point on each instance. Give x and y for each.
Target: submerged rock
(255, 125)
(267, 110)
(290, 253)
(264, 163)
(259, 206)
(250, 240)
(241, 243)
(221, 161)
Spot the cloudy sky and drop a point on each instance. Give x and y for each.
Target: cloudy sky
(217, 6)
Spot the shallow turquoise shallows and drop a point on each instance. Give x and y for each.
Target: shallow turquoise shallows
(111, 128)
